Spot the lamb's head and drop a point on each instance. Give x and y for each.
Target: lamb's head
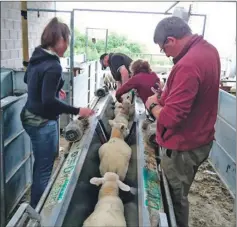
(119, 130)
(110, 184)
(126, 106)
(127, 96)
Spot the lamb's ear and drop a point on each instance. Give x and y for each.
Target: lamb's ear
(111, 123)
(123, 186)
(97, 181)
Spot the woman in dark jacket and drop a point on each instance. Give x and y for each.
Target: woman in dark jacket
(143, 79)
(43, 107)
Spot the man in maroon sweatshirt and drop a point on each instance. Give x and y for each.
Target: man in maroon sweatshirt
(187, 110)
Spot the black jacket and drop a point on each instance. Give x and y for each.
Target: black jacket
(44, 80)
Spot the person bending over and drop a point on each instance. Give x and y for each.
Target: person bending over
(143, 79)
(119, 66)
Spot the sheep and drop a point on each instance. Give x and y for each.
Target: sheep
(115, 154)
(109, 210)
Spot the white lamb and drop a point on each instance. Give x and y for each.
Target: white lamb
(115, 154)
(109, 210)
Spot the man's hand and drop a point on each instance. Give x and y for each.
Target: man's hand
(157, 89)
(124, 74)
(150, 100)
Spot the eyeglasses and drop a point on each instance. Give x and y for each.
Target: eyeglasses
(162, 49)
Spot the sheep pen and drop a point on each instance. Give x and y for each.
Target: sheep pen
(210, 203)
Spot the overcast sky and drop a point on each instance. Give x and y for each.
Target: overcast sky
(220, 28)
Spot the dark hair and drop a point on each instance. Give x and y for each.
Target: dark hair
(102, 56)
(171, 26)
(139, 66)
(53, 32)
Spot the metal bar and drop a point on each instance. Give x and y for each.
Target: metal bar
(72, 57)
(171, 7)
(89, 85)
(17, 168)
(120, 11)
(97, 28)
(18, 215)
(225, 81)
(103, 129)
(24, 209)
(96, 74)
(204, 25)
(86, 46)
(172, 218)
(48, 10)
(2, 174)
(106, 40)
(24, 28)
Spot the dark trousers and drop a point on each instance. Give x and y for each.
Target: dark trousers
(180, 168)
(45, 140)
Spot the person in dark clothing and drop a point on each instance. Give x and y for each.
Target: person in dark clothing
(119, 66)
(143, 79)
(187, 110)
(43, 107)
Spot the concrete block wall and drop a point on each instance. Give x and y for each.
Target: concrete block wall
(11, 37)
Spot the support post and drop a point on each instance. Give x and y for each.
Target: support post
(24, 29)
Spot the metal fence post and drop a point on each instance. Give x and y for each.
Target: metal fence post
(96, 74)
(89, 85)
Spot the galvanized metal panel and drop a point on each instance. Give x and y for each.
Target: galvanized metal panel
(18, 81)
(227, 107)
(224, 166)
(223, 153)
(80, 84)
(6, 82)
(16, 155)
(226, 137)
(18, 185)
(12, 107)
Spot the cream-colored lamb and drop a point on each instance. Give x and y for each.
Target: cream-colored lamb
(109, 210)
(115, 154)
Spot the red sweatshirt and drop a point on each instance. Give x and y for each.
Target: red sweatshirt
(142, 82)
(190, 99)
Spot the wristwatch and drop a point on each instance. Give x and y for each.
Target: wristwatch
(152, 106)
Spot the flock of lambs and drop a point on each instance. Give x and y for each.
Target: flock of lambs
(114, 162)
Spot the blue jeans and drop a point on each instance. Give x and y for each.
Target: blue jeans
(45, 140)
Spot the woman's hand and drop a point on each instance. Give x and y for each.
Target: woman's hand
(62, 94)
(86, 112)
